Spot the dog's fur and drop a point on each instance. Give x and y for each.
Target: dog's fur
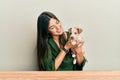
(75, 35)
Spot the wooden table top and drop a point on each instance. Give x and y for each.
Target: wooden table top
(60, 75)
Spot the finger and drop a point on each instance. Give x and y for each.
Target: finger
(80, 44)
(80, 41)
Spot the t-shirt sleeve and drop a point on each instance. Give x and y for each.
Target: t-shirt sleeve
(49, 61)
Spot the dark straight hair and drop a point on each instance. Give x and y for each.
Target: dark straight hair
(43, 36)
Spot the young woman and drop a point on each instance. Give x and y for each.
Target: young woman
(53, 46)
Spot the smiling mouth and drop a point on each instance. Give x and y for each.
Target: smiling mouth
(58, 31)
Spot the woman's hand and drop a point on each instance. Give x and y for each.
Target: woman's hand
(79, 51)
(79, 48)
(68, 45)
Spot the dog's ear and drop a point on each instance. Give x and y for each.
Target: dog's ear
(69, 30)
(79, 30)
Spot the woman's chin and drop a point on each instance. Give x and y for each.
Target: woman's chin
(60, 33)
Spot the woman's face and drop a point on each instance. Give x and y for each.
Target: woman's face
(55, 27)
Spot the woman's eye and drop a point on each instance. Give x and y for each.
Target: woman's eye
(57, 22)
(52, 27)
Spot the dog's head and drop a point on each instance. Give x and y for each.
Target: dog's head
(75, 32)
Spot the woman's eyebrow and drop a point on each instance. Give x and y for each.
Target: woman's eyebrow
(51, 26)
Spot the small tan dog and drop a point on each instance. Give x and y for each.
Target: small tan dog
(75, 35)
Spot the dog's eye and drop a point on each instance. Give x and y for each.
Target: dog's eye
(57, 22)
(75, 33)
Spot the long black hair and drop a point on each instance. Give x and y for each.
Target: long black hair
(43, 36)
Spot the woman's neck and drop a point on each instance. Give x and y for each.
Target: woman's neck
(56, 38)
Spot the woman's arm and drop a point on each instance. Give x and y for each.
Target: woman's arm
(79, 51)
(61, 55)
(59, 59)
(79, 55)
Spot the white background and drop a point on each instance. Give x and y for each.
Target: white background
(100, 20)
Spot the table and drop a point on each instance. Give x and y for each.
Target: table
(60, 75)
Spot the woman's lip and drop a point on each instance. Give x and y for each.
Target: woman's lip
(59, 31)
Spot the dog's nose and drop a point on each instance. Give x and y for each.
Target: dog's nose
(71, 37)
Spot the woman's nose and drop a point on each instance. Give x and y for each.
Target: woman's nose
(57, 26)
